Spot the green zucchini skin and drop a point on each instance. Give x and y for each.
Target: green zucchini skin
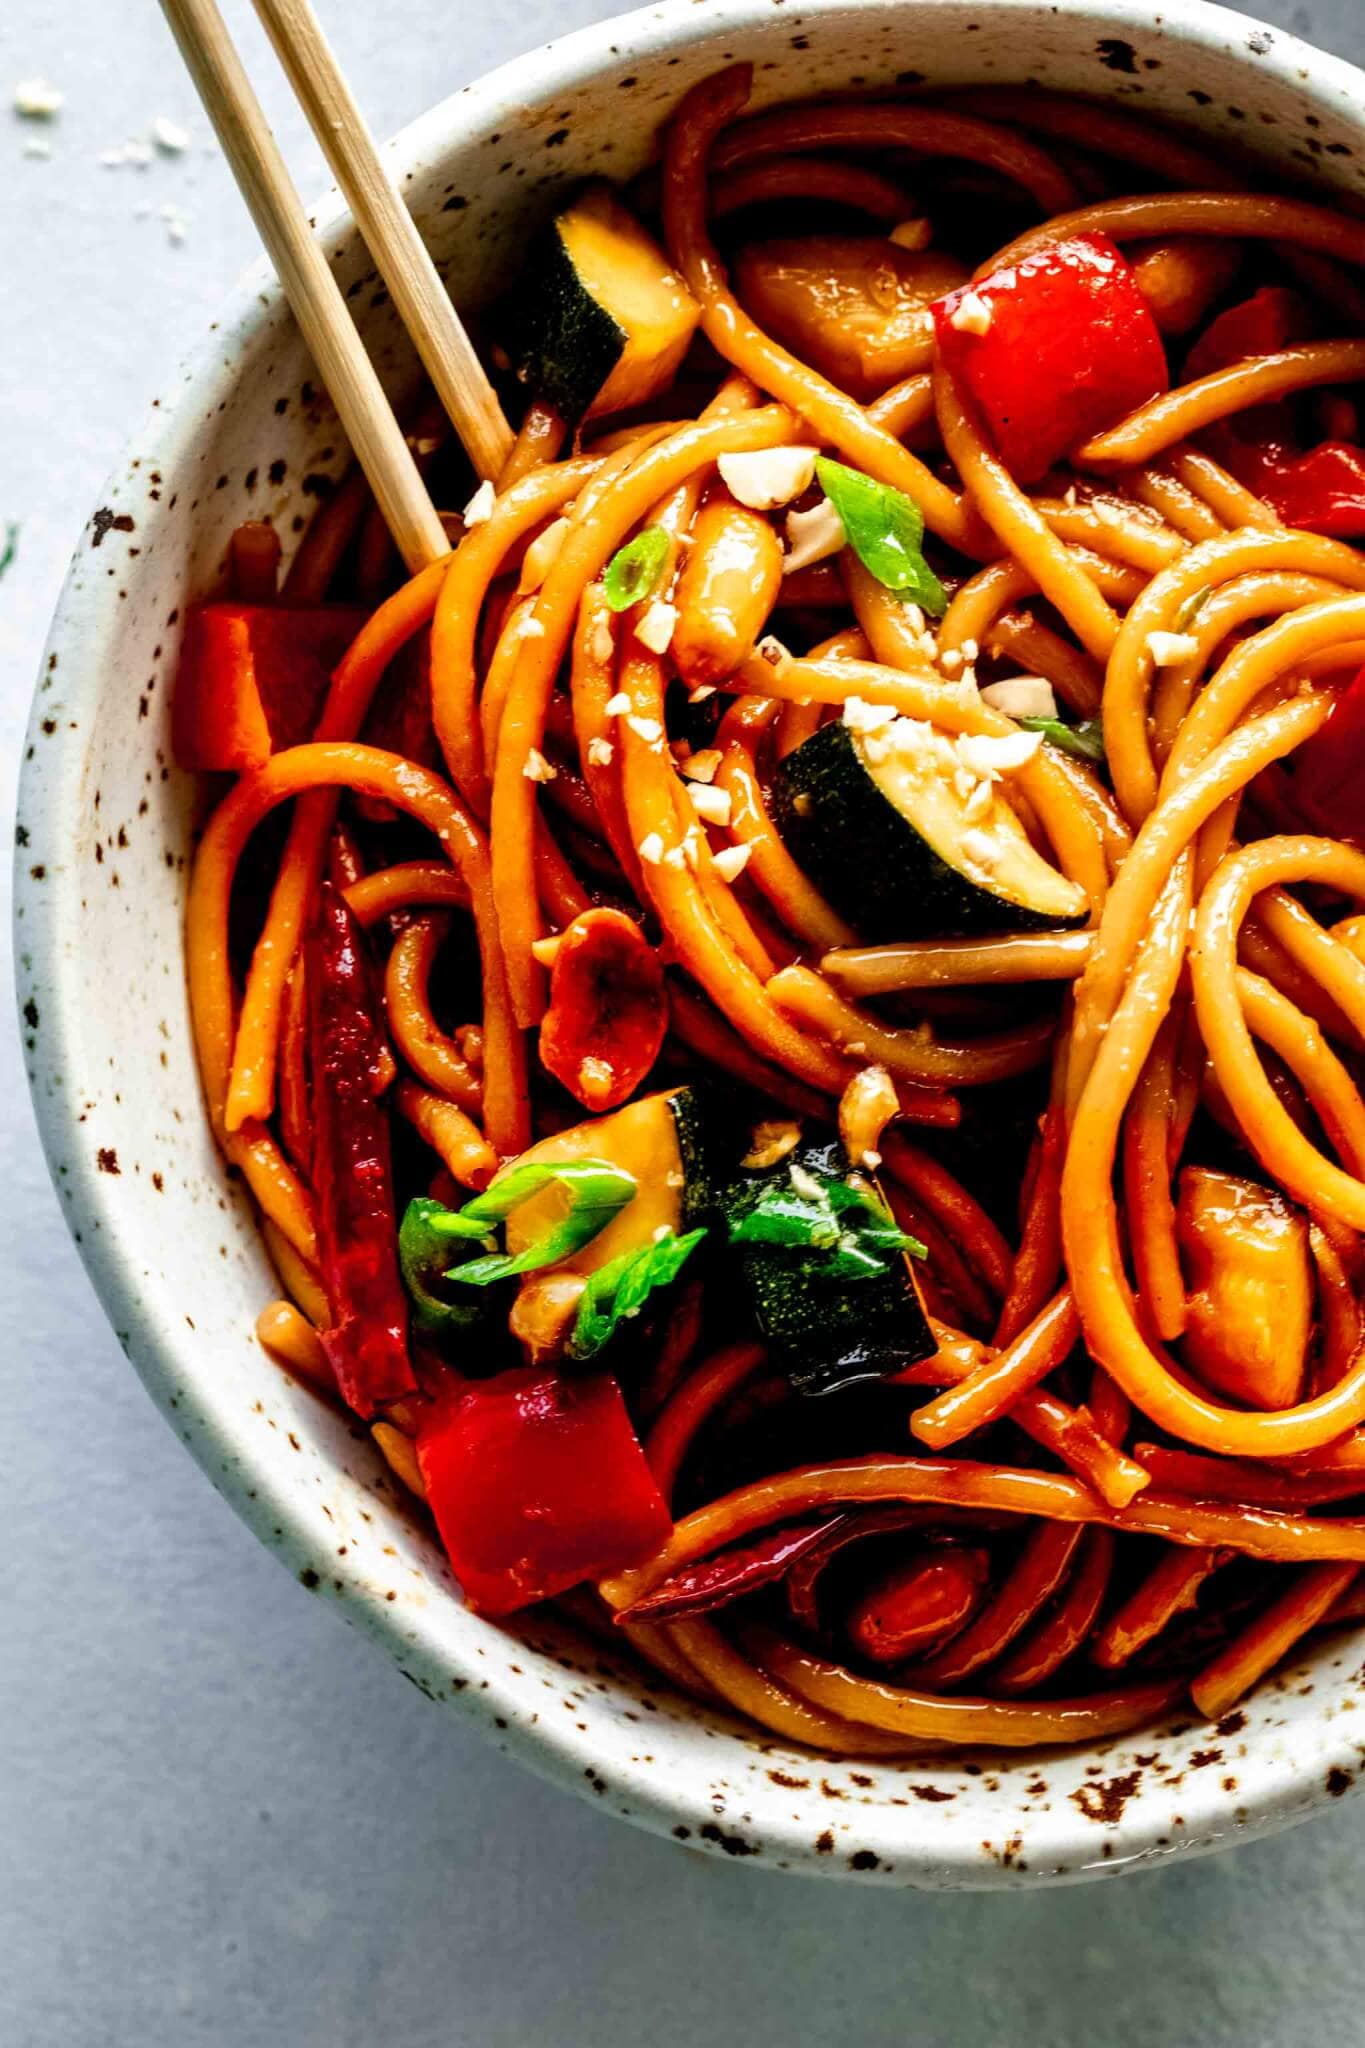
(868, 859)
(826, 1334)
(689, 1123)
(562, 343)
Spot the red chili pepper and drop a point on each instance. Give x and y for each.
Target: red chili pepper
(1071, 347)
(700, 1588)
(1324, 778)
(919, 1602)
(804, 1579)
(608, 1011)
(252, 679)
(352, 1172)
(537, 1483)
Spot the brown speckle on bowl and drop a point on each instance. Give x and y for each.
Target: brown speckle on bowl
(106, 521)
(732, 1844)
(1104, 1802)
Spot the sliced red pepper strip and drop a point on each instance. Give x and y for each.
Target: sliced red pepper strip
(716, 1581)
(352, 1173)
(1070, 348)
(537, 1483)
(608, 1011)
(252, 680)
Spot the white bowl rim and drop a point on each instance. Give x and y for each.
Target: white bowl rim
(1296, 1781)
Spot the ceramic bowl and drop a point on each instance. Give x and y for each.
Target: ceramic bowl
(105, 828)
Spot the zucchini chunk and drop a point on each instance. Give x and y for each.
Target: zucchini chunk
(658, 1139)
(824, 1332)
(1250, 1275)
(854, 306)
(907, 841)
(600, 320)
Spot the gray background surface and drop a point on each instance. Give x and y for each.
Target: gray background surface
(223, 1819)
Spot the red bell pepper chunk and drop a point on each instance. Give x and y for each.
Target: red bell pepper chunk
(608, 1012)
(1326, 775)
(537, 1482)
(1271, 319)
(1322, 491)
(252, 680)
(1071, 348)
(366, 1343)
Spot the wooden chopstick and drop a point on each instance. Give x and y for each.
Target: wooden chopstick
(400, 255)
(318, 306)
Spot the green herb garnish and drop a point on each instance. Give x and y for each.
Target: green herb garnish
(9, 547)
(424, 1258)
(885, 530)
(1085, 741)
(436, 1243)
(633, 570)
(620, 1289)
(846, 1225)
(598, 1191)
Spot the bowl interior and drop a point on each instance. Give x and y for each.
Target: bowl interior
(106, 829)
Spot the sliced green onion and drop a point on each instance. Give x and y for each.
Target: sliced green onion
(885, 530)
(598, 1191)
(619, 1290)
(1085, 741)
(846, 1225)
(424, 1259)
(633, 570)
(436, 1243)
(1189, 611)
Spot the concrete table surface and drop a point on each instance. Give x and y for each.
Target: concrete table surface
(225, 1821)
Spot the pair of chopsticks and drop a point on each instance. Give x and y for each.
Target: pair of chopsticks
(387, 227)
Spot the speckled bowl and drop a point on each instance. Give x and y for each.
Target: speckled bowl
(104, 835)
